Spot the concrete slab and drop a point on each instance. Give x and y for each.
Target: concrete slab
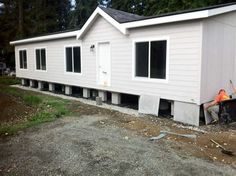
(187, 113)
(149, 104)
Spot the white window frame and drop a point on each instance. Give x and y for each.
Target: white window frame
(148, 79)
(81, 65)
(40, 70)
(23, 49)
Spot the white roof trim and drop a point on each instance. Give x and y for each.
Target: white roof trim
(47, 37)
(92, 18)
(180, 17)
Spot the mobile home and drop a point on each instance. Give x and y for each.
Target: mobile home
(183, 57)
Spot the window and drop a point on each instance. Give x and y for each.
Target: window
(23, 59)
(73, 59)
(41, 59)
(150, 59)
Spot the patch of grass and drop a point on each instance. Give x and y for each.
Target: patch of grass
(7, 129)
(39, 118)
(11, 91)
(9, 80)
(50, 108)
(32, 100)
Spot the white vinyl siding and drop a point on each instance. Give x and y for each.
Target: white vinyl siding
(218, 55)
(184, 60)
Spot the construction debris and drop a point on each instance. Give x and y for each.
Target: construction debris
(158, 137)
(164, 133)
(223, 150)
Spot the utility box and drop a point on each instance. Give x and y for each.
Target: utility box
(227, 111)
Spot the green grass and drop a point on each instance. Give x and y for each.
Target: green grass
(49, 108)
(32, 100)
(9, 80)
(47, 113)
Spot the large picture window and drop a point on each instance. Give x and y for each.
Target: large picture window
(23, 59)
(150, 59)
(40, 59)
(73, 59)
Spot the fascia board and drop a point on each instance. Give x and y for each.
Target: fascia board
(167, 19)
(180, 17)
(222, 10)
(43, 38)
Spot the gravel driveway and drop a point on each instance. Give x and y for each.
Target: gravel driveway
(88, 146)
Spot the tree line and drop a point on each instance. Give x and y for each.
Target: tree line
(27, 18)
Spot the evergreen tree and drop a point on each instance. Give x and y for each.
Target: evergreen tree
(83, 9)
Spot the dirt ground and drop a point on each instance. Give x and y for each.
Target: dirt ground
(13, 110)
(96, 141)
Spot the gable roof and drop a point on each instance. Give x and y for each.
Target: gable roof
(124, 17)
(124, 21)
(121, 16)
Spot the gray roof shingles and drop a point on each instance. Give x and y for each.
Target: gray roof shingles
(121, 16)
(124, 17)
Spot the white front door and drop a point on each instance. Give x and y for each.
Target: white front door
(104, 64)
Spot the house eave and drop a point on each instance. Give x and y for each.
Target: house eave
(180, 17)
(44, 38)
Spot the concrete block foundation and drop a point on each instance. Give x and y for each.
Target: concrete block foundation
(86, 93)
(23, 82)
(40, 85)
(68, 90)
(51, 87)
(149, 104)
(115, 98)
(32, 83)
(103, 95)
(186, 113)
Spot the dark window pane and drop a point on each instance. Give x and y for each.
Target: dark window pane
(43, 59)
(24, 59)
(69, 59)
(21, 59)
(38, 59)
(77, 60)
(141, 54)
(158, 59)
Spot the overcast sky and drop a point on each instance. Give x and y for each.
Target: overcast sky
(73, 2)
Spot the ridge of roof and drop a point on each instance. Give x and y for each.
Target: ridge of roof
(121, 16)
(125, 17)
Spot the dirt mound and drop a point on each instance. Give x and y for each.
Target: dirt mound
(12, 109)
